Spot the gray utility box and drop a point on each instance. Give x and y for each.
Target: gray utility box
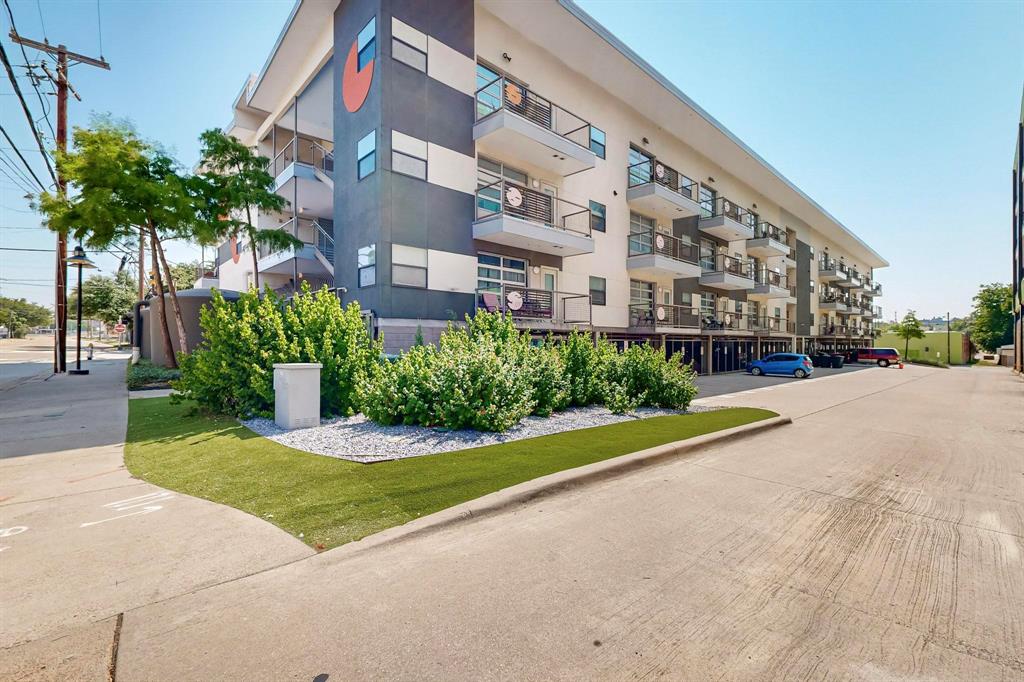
(297, 394)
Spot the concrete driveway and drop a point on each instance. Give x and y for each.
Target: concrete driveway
(878, 537)
(82, 541)
(736, 382)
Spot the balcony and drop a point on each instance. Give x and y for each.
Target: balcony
(769, 241)
(835, 302)
(517, 216)
(304, 175)
(656, 188)
(514, 123)
(654, 255)
(833, 330)
(770, 326)
(316, 255)
(831, 270)
(768, 284)
(726, 272)
(873, 289)
(726, 220)
(536, 307)
(853, 281)
(659, 317)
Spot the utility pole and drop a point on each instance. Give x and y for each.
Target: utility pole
(65, 59)
(949, 358)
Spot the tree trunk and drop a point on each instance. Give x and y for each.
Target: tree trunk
(251, 233)
(161, 311)
(171, 289)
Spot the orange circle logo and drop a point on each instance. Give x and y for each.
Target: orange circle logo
(355, 84)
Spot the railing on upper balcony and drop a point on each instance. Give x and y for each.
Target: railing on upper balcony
(308, 152)
(651, 170)
(769, 231)
(651, 241)
(763, 275)
(876, 288)
(663, 315)
(721, 206)
(826, 263)
(828, 329)
(722, 321)
(535, 304)
(722, 262)
(504, 197)
(766, 324)
(310, 231)
(504, 93)
(832, 297)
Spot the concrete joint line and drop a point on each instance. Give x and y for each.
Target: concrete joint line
(861, 397)
(115, 644)
(522, 493)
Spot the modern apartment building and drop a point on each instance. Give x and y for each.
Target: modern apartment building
(449, 156)
(1017, 231)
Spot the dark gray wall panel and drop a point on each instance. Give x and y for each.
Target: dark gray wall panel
(424, 304)
(803, 293)
(450, 21)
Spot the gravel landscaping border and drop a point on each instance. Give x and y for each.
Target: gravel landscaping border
(358, 439)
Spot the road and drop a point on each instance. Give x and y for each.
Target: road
(81, 540)
(877, 537)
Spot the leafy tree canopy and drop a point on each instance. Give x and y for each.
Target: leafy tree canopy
(20, 315)
(992, 318)
(107, 299)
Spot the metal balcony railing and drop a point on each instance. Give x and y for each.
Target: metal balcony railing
(721, 321)
(722, 262)
(767, 230)
(504, 93)
(504, 197)
(832, 330)
(763, 275)
(651, 241)
(826, 263)
(310, 232)
(535, 304)
(652, 170)
(663, 315)
(721, 206)
(766, 324)
(307, 151)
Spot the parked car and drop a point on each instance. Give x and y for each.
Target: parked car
(823, 359)
(883, 356)
(789, 364)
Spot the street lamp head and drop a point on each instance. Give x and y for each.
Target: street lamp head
(80, 260)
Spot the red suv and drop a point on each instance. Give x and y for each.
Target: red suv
(883, 356)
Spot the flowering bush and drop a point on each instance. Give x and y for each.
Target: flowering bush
(232, 370)
(641, 377)
(584, 364)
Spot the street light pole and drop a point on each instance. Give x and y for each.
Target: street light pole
(82, 262)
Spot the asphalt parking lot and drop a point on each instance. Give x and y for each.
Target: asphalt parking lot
(736, 382)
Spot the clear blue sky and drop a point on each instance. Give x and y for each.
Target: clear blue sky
(898, 118)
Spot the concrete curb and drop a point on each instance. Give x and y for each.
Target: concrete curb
(560, 481)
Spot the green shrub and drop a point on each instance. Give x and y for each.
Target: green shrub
(399, 391)
(550, 383)
(584, 363)
(232, 369)
(145, 374)
(641, 377)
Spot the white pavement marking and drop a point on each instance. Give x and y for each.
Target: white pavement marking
(144, 501)
(13, 530)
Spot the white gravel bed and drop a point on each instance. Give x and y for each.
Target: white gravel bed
(360, 440)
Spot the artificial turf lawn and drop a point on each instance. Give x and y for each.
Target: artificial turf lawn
(333, 501)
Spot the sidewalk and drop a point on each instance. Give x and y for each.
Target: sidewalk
(81, 540)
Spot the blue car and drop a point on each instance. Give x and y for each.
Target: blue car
(789, 364)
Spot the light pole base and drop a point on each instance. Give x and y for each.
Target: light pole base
(78, 371)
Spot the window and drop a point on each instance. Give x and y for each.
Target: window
(408, 266)
(641, 293)
(488, 87)
(492, 271)
(707, 304)
(641, 234)
(367, 43)
(707, 255)
(366, 155)
(778, 313)
(707, 200)
(598, 290)
(738, 307)
(366, 264)
(639, 167)
(686, 300)
(597, 216)
(811, 283)
(597, 141)
(407, 164)
(409, 55)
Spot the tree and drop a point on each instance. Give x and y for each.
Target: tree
(185, 275)
(107, 299)
(124, 183)
(909, 328)
(20, 315)
(238, 180)
(992, 318)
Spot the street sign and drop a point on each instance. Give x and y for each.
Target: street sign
(119, 328)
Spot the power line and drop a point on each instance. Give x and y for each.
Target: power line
(24, 55)
(24, 106)
(18, 152)
(99, 26)
(42, 23)
(26, 183)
